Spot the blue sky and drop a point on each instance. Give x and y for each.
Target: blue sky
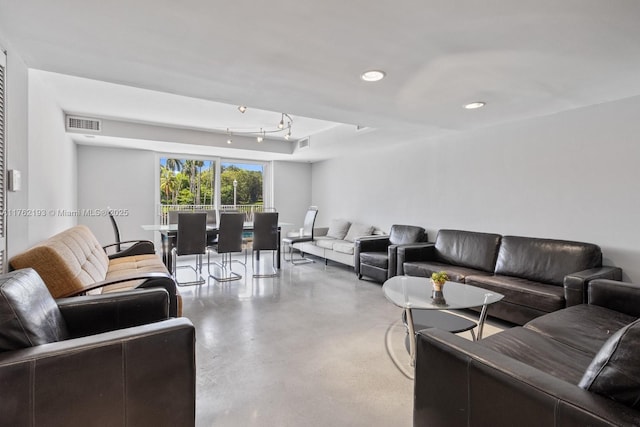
(207, 165)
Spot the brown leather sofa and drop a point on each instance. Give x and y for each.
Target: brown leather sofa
(579, 366)
(536, 276)
(73, 263)
(111, 360)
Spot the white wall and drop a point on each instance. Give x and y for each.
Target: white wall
(292, 192)
(51, 173)
(16, 138)
(121, 179)
(572, 175)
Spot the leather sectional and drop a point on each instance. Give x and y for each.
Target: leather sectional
(577, 366)
(536, 276)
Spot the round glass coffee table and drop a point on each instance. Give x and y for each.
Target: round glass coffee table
(409, 293)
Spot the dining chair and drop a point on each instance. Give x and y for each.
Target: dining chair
(265, 238)
(307, 236)
(127, 247)
(191, 240)
(229, 241)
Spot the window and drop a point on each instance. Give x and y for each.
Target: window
(198, 184)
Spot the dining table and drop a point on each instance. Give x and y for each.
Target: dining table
(170, 231)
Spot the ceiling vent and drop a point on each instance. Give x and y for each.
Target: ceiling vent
(83, 124)
(303, 143)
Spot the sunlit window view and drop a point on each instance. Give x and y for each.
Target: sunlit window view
(187, 184)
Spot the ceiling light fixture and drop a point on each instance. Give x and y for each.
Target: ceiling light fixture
(260, 134)
(474, 105)
(373, 75)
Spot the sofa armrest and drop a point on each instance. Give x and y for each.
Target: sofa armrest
(618, 296)
(151, 280)
(143, 375)
(414, 252)
(460, 383)
(138, 247)
(94, 314)
(576, 284)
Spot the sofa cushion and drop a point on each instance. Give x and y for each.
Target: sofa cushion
(615, 370)
(375, 259)
(67, 262)
(543, 297)
(540, 352)
(426, 269)
(585, 327)
(344, 247)
(467, 249)
(324, 242)
(358, 230)
(338, 228)
(405, 234)
(545, 260)
(28, 314)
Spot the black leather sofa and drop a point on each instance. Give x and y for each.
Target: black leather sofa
(115, 359)
(377, 256)
(579, 366)
(536, 276)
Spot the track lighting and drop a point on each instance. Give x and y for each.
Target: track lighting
(284, 125)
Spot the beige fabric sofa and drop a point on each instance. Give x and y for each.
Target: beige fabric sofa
(73, 263)
(337, 242)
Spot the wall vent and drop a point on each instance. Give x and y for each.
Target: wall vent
(84, 124)
(303, 143)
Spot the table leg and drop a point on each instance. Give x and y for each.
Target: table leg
(278, 250)
(412, 335)
(483, 317)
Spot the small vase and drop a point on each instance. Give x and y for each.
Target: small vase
(437, 286)
(438, 298)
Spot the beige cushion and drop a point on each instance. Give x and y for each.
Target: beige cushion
(344, 247)
(338, 228)
(325, 243)
(67, 262)
(358, 230)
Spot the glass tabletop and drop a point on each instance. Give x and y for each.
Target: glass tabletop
(415, 292)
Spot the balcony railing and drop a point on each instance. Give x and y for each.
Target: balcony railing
(248, 210)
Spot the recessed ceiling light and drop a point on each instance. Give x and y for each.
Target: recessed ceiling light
(372, 75)
(474, 105)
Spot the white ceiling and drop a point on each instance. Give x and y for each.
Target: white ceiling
(524, 58)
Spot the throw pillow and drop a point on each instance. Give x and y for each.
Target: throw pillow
(338, 228)
(358, 230)
(615, 370)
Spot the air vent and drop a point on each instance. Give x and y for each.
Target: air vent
(303, 143)
(84, 124)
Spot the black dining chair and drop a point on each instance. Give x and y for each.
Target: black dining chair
(265, 238)
(229, 241)
(127, 247)
(307, 236)
(191, 240)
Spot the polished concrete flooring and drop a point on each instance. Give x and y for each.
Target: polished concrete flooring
(312, 347)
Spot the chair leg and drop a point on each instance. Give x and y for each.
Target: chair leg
(225, 268)
(274, 271)
(199, 281)
(301, 260)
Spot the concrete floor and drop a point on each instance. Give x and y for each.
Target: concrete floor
(314, 347)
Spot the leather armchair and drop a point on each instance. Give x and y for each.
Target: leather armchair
(113, 359)
(376, 257)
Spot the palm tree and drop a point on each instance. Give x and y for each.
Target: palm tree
(168, 182)
(174, 164)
